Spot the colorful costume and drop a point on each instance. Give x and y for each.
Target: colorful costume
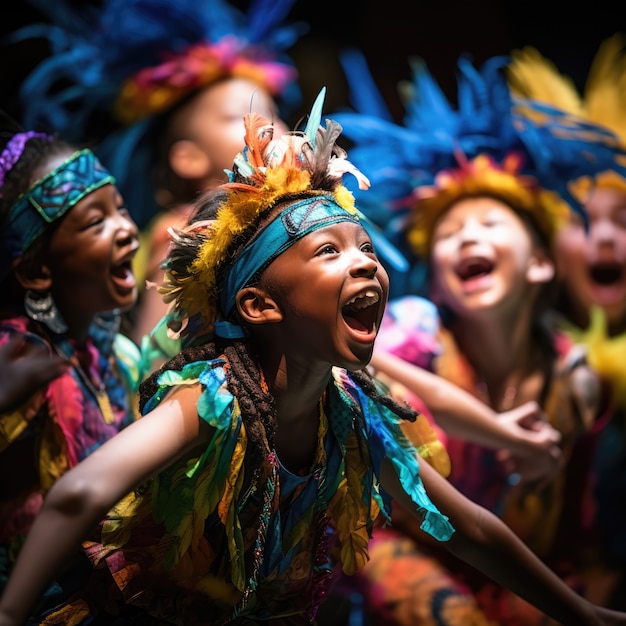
(309, 522)
(556, 522)
(62, 424)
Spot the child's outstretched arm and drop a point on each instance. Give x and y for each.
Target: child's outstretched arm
(523, 431)
(485, 542)
(82, 497)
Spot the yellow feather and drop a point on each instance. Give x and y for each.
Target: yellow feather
(533, 76)
(605, 88)
(350, 512)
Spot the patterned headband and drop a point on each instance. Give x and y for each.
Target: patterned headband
(48, 200)
(290, 226)
(13, 151)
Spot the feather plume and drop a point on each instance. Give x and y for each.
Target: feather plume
(133, 60)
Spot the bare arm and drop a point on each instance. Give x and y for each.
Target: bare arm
(82, 497)
(485, 542)
(523, 430)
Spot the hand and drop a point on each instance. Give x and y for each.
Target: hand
(26, 368)
(538, 457)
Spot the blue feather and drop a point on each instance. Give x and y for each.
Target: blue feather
(315, 117)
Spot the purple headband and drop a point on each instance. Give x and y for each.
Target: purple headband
(13, 151)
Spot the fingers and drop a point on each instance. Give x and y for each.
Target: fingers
(27, 367)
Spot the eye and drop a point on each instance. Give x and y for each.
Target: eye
(327, 249)
(95, 218)
(368, 248)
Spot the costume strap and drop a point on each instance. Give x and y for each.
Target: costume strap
(13, 151)
(290, 226)
(49, 199)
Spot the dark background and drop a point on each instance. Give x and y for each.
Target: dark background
(389, 32)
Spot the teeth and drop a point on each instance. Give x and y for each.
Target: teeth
(364, 300)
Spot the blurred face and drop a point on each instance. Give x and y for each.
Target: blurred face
(214, 120)
(332, 290)
(592, 266)
(480, 257)
(90, 254)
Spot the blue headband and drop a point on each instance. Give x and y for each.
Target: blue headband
(48, 200)
(290, 226)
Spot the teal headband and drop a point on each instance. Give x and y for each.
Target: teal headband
(48, 200)
(295, 222)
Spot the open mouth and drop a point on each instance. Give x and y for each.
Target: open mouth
(606, 273)
(361, 313)
(472, 268)
(123, 276)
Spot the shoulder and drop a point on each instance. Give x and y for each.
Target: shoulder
(585, 385)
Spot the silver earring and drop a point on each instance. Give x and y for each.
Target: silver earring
(41, 308)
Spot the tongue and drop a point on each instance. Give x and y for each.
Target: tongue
(124, 277)
(354, 323)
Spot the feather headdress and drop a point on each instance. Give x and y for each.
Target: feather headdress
(307, 163)
(602, 102)
(132, 60)
(529, 152)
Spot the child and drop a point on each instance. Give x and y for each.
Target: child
(66, 251)
(178, 78)
(266, 451)
(591, 265)
(483, 228)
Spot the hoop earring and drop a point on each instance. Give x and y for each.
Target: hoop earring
(41, 308)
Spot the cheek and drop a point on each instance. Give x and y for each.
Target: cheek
(570, 245)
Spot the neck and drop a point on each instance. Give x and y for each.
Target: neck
(297, 388)
(501, 354)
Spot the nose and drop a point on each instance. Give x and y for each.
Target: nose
(603, 232)
(127, 230)
(469, 231)
(365, 266)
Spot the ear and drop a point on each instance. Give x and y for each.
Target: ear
(32, 276)
(255, 306)
(188, 160)
(541, 267)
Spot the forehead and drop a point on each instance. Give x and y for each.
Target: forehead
(604, 200)
(51, 163)
(478, 207)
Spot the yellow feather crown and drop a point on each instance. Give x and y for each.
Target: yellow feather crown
(483, 176)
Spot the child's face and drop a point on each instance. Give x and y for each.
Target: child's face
(592, 267)
(480, 256)
(90, 253)
(332, 290)
(214, 121)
